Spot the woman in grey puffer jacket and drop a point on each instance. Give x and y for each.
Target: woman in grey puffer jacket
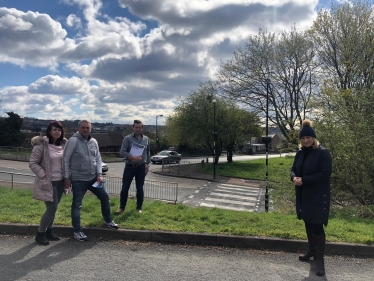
(46, 163)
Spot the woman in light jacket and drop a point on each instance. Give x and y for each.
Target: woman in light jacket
(46, 163)
(311, 172)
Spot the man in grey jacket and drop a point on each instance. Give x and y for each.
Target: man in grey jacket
(82, 170)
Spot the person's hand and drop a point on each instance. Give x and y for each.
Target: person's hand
(67, 184)
(297, 181)
(99, 179)
(136, 159)
(67, 191)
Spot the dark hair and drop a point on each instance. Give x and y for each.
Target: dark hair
(137, 122)
(49, 128)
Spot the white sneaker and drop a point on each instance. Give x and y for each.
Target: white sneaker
(111, 224)
(80, 236)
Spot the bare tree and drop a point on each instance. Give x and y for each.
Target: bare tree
(344, 36)
(288, 60)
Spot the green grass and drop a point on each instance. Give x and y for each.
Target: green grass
(19, 207)
(279, 169)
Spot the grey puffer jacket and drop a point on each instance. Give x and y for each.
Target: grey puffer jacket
(39, 163)
(81, 159)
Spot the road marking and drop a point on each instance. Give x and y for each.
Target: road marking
(225, 207)
(230, 201)
(233, 197)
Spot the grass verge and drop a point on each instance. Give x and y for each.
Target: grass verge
(18, 207)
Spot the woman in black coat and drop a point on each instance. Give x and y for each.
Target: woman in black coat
(311, 172)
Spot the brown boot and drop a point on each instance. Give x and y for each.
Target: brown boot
(320, 241)
(312, 249)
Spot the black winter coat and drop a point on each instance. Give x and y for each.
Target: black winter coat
(314, 166)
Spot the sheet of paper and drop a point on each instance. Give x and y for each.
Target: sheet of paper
(136, 149)
(96, 184)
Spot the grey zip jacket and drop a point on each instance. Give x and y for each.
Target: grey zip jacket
(81, 159)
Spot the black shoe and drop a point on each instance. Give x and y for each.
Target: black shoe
(40, 239)
(50, 236)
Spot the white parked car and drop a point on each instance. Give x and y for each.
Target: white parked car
(104, 167)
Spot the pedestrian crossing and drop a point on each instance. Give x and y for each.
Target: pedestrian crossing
(229, 197)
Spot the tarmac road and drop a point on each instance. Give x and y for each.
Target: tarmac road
(22, 259)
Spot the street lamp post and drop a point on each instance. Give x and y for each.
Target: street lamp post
(210, 97)
(266, 140)
(157, 143)
(214, 138)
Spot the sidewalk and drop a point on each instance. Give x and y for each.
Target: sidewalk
(190, 171)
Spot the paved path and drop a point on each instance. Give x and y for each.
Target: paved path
(97, 259)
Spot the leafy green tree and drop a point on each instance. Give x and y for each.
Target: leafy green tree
(344, 36)
(10, 134)
(347, 130)
(288, 60)
(193, 122)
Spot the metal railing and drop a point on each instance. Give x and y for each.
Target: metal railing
(168, 164)
(165, 191)
(195, 160)
(15, 153)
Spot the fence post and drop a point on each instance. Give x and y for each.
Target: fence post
(12, 181)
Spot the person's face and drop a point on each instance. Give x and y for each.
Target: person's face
(55, 133)
(137, 128)
(84, 129)
(307, 141)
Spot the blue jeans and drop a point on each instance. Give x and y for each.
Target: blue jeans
(128, 174)
(79, 189)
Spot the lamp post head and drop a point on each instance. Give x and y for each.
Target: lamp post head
(214, 101)
(267, 81)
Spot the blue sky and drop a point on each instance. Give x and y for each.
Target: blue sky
(120, 60)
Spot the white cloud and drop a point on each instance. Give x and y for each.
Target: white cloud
(116, 68)
(31, 38)
(53, 84)
(73, 21)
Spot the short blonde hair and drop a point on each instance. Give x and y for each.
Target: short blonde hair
(84, 121)
(315, 144)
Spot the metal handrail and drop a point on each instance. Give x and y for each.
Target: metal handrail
(165, 191)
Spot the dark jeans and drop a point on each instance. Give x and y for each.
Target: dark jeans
(79, 189)
(128, 174)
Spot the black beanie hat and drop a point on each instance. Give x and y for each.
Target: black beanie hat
(307, 130)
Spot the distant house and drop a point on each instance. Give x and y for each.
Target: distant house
(255, 145)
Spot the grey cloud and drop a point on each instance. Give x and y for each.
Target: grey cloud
(222, 18)
(98, 47)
